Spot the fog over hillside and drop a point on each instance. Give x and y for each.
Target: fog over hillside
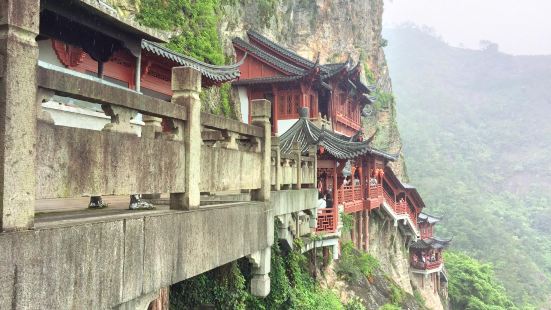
(476, 130)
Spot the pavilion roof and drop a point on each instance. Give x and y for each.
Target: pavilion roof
(431, 243)
(427, 218)
(306, 133)
(214, 73)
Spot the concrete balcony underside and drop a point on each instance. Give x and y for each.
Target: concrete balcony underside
(113, 255)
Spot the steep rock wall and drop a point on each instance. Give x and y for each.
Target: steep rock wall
(387, 244)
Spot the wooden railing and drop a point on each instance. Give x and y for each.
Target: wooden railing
(427, 265)
(351, 198)
(327, 220)
(399, 207)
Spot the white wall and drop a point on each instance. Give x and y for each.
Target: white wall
(47, 54)
(244, 102)
(284, 125)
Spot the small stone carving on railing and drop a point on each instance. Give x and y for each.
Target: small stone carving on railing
(120, 118)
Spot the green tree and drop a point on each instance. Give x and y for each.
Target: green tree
(472, 285)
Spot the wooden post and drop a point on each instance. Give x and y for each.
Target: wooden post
(186, 86)
(366, 230)
(19, 21)
(261, 111)
(359, 216)
(335, 184)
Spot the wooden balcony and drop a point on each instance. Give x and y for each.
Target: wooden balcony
(428, 265)
(351, 197)
(375, 197)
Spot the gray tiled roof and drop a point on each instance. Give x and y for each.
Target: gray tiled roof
(276, 62)
(424, 217)
(434, 243)
(269, 80)
(306, 133)
(212, 72)
(280, 49)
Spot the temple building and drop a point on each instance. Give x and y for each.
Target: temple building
(426, 254)
(356, 189)
(334, 93)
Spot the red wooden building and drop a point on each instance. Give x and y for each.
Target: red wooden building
(355, 186)
(334, 93)
(76, 38)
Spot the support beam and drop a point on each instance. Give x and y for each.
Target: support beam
(260, 283)
(186, 86)
(19, 21)
(366, 230)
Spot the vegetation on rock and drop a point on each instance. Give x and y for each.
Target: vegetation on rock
(354, 264)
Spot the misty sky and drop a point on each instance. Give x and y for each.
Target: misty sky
(518, 26)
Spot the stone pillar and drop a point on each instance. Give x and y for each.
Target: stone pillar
(297, 152)
(186, 85)
(261, 112)
(278, 174)
(260, 283)
(152, 126)
(313, 152)
(19, 21)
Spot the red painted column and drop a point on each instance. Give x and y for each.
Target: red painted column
(359, 216)
(366, 230)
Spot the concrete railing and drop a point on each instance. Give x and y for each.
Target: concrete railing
(292, 170)
(230, 155)
(170, 158)
(72, 162)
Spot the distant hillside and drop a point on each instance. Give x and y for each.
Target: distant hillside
(476, 129)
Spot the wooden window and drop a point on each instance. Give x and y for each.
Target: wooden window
(281, 104)
(289, 104)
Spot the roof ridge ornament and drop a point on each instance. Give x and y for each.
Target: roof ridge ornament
(304, 112)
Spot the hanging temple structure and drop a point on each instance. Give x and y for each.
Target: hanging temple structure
(97, 112)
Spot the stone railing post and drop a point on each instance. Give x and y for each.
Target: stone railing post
(297, 152)
(261, 111)
(186, 85)
(19, 21)
(313, 153)
(278, 173)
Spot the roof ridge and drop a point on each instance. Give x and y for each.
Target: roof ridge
(280, 64)
(279, 48)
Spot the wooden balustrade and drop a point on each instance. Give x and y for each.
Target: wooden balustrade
(426, 265)
(327, 220)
